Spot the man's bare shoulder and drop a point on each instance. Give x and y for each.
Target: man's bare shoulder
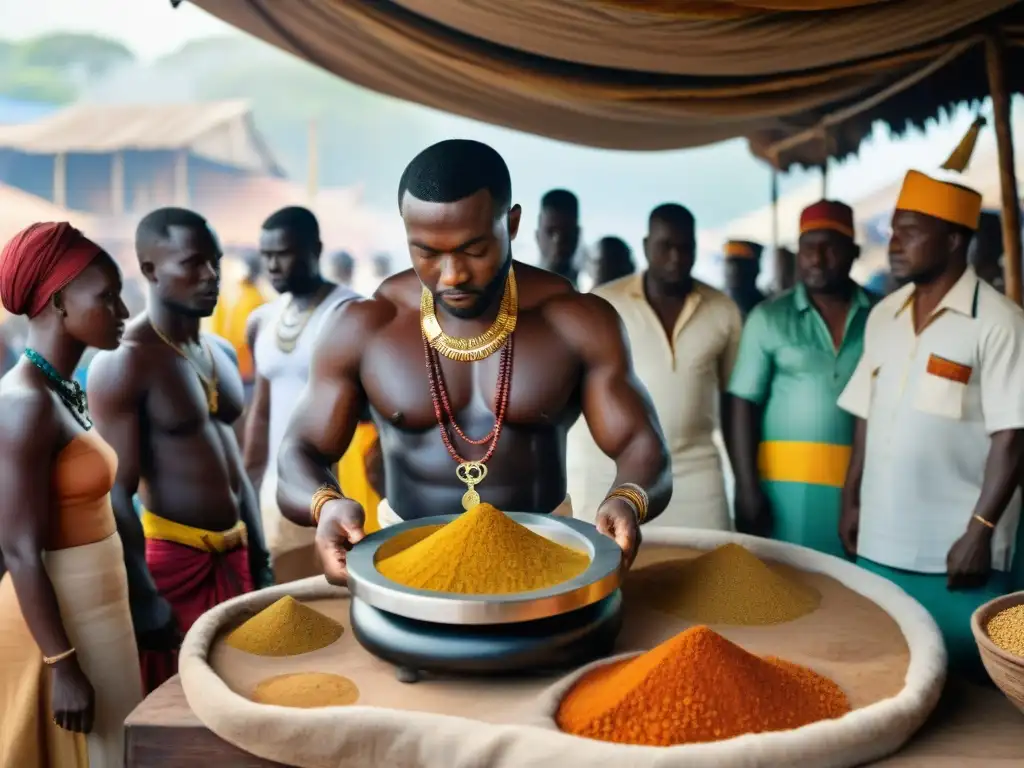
(538, 286)
(583, 319)
(122, 370)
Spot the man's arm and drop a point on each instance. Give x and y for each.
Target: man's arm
(322, 425)
(749, 385)
(116, 402)
(257, 426)
(726, 364)
(616, 405)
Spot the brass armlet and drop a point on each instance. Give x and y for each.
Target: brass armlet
(321, 496)
(51, 660)
(635, 496)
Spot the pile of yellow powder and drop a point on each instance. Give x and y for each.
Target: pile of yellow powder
(483, 552)
(728, 585)
(307, 690)
(1006, 629)
(285, 628)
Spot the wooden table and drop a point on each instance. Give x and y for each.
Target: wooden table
(972, 727)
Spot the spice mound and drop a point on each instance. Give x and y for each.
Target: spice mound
(728, 585)
(696, 687)
(307, 690)
(285, 628)
(1006, 629)
(483, 552)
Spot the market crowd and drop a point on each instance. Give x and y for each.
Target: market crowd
(886, 429)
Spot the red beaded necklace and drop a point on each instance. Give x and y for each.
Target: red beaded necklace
(443, 410)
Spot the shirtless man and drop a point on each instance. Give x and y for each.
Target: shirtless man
(165, 400)
(570, 357)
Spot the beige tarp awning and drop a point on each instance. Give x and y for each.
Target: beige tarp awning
(629, 74)
(222, 131)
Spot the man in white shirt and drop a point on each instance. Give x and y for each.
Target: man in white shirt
(281, 336)
(931, 498)
(684, 337)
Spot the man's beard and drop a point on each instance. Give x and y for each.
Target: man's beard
(485, 296)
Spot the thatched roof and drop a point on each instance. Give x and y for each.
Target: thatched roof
(649, 74)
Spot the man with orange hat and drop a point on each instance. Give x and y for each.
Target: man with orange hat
(791, 442)
(742, 266)
(931, 497)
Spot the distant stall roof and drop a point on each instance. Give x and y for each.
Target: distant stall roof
(222, 131)
(651, 74)
(18, 209)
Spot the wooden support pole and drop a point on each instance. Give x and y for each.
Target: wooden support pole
(117, 195)
(60, 180)
(313, 161)
(996, 65)
(775, 210)
(181, 179)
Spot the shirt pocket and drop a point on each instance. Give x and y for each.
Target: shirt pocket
(940, 395)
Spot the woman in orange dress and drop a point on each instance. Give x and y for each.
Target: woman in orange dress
(69, 670)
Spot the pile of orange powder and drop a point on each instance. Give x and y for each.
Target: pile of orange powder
(696, 687)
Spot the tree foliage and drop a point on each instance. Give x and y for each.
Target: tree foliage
(70, 51)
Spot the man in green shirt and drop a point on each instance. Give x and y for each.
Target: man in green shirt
(798, 350)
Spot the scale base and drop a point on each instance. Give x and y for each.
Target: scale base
(553, 644)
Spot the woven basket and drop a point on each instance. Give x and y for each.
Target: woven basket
(1005, 669)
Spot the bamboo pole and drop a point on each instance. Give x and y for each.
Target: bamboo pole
(996, 65)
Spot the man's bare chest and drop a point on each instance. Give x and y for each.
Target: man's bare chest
(181, 400)
(544, 383)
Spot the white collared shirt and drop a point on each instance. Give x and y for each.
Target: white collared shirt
(932, 400)
(684, 375)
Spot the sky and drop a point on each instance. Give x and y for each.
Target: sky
(152, 28)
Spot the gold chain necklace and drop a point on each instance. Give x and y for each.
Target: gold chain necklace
(477, 347)
(290, 329)
(209, 382)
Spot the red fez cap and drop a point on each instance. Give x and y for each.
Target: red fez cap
(39, 261)
(828, 214)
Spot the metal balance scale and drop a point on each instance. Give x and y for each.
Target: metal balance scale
(443, 632)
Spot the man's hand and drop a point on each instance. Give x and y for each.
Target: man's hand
(259, 568)
(340, 527)
(162, 639)
(617, 520)
(969, 562)
(849, 527)
(753, 512)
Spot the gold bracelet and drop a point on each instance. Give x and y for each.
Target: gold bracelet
(51, 660)
(633, 495)
(321, 496)
(986, 523)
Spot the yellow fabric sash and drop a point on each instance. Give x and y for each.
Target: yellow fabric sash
(156, 527)
(811, 463)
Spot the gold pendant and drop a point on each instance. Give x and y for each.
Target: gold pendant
(212, 397)
(472, 473)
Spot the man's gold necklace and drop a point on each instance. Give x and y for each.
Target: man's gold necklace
(209, 382)
(292, 322)
(476, 348)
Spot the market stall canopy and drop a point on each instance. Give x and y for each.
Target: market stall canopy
(647, 74)
(222, 131)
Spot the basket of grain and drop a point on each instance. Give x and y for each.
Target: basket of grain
(998, 628)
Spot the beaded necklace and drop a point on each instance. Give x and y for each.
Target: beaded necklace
(69, 392)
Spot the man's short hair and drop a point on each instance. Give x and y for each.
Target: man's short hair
(562, 201)
(674, 215)
(455, 169)
(299, 222)
(155, 227)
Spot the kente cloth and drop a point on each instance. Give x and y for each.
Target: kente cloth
(39, 261)
(790, 368)
(194, 579)
(827, 214)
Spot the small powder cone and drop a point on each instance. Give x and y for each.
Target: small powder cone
(483, 552)
(696, 687)
(728, 585)
(307, 690)
(285, 628)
